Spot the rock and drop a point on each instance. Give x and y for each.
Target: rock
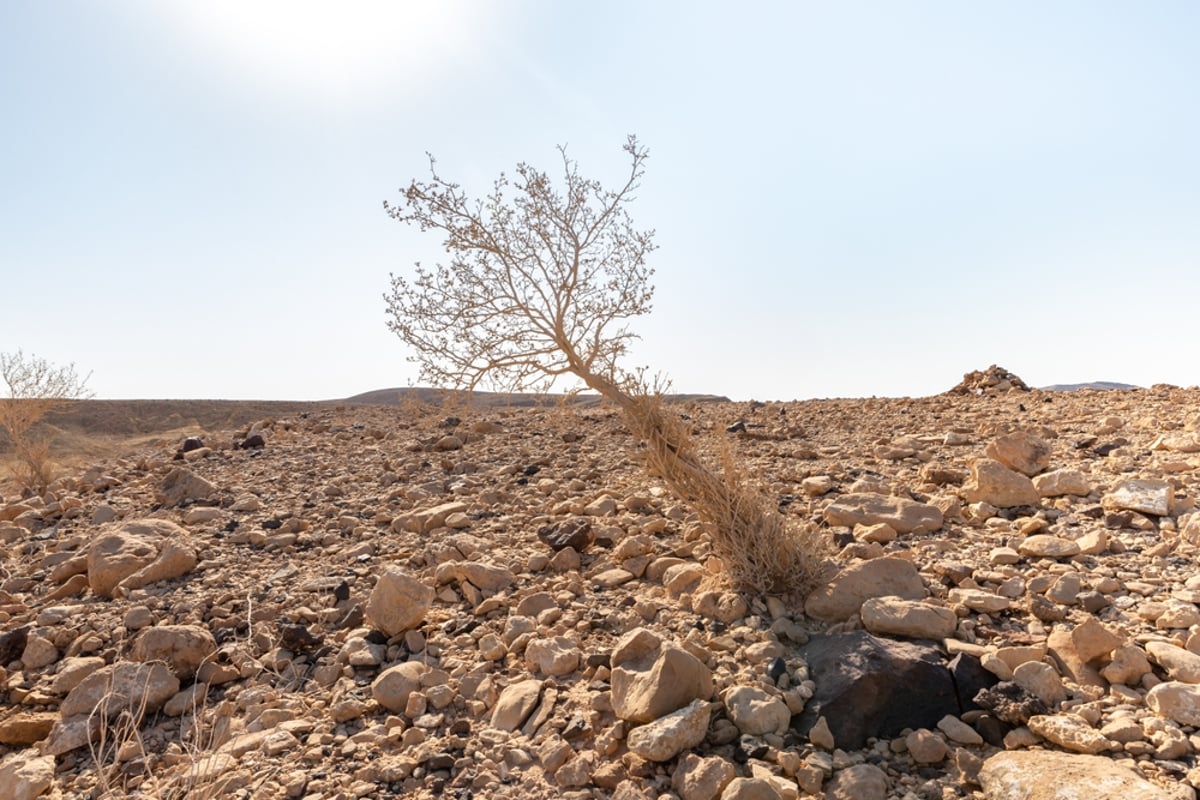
(575, 533)
(1022, 452)
(137, 553)
(124, 686)
(399, 602)
(980, 600)
(1062, 482)
(697, 778)
(181, 485)
(903, 514)
(1011, 703)
(899, 617)
(722, 606)
(860, 782)
(668, 736)
(1069, 732)
(395, 685)
(1144, 496)
(26, 728)
(1180, 664)
(867, 686)
(926, 747)
(1128, 665)
(1061, 649)
(1092, 640)
(516, 703)
(750, 789)
(487, 577)
(958, 731)
(844, 594)
(426, 520)
(183, 648)
(1042, 681)
(755, 712)
(71, 671)
(556, 656)
(25, 776)
(39, 652)
(1045, 545)
(992, 482)
(1050, 775)
(651, 677)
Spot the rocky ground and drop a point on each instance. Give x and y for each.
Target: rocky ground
(374, 602)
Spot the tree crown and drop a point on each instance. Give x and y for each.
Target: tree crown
(540, 282)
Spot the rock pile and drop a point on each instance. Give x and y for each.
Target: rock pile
(355, 606)
(993, 380)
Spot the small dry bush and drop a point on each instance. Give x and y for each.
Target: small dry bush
(35, 388)
(762, 550)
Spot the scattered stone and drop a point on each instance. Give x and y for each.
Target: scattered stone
(844, 594)
(138, 553)
(860, 782)
(898, 617)
(1177, 701)
(399, 602)
(668, 736)
(575, 533)
(515, 705)
(395, 685)
(697, 778)
(1062, 482)
(995, 484)
(1044, 545)
(755, 712)
(1144, 496)
(652, 677)
(1050, 775)
(1022, 452)
(181, 485)
(903, 515)
(183, 648)
(25, 776)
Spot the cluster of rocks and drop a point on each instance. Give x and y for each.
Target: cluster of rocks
(367, 602)
(993, 380)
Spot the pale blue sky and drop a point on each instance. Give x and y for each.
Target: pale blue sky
(851, 198)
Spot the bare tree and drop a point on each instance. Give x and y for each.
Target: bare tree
(540, 284)
(35, 388)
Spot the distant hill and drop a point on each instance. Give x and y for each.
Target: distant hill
(398, 395)
(1098, 385)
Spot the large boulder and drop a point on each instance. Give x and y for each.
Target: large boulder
(652, 677)
(844, 594)
(1021, 451)
(866, 508)
(992, 482)
(867, 686)
(138, 553)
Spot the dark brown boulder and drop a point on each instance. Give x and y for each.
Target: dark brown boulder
(869, 686)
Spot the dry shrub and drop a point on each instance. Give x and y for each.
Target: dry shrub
(762, 550)
(35, 388)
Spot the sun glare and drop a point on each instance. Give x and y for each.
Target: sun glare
(343, 51)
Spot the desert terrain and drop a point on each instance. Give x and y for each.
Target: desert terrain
(353, 600)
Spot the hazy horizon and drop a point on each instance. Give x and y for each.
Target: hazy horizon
(851, 200)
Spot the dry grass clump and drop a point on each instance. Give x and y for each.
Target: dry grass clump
(762, 550)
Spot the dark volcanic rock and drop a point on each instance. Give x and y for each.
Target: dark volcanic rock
(869, 686)
(575, 533)
(1009, 702)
